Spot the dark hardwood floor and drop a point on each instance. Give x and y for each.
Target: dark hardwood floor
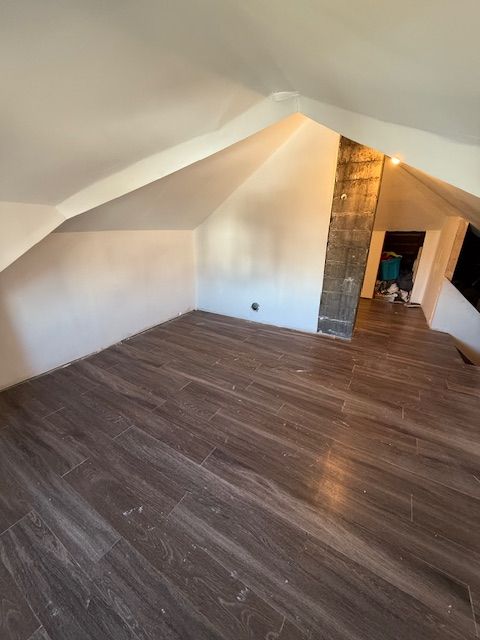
(217, 479)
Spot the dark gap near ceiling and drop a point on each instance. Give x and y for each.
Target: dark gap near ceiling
(466, 277)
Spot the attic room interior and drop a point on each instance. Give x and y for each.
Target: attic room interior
(239, 320)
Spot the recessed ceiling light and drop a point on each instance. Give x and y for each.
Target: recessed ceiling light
(395, 160)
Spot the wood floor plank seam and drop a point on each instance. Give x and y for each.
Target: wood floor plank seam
(64, 475)
(36, 632)
(208, 456)
(16, 522)
(119, 435)
(176, 505)
(474, 614)
(213, 415)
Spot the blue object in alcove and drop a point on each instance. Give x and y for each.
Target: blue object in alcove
(390, 269)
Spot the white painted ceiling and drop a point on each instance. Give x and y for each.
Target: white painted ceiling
(406, 204)
(411, 200)
(105, 104)
(185, 198)
(89, 88)
(459, 202)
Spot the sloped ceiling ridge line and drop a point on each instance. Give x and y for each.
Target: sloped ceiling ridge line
(252, 175)
(452, 161)
(423, 150)
(258, 117)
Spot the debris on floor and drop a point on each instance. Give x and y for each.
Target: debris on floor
(394, 284)
(391, 291)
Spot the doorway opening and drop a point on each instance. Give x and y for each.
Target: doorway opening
(398, 266)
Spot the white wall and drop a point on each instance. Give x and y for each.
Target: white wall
(445, 308)
(439, 265)
(76, 293)
(373, 261)
(425, 265)
(455, 315)
(266, 243)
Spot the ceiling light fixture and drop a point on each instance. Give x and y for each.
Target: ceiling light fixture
(395, 160)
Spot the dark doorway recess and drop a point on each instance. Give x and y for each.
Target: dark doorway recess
(406, 244)
(466, 277)
(397, 286)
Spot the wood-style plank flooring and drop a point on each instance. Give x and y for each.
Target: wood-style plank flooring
(218, 479)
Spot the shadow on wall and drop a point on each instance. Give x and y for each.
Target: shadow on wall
(75, 293)
(185, 198)
(266, 243)
(26, 290)
(251, 236)
(12, 355)
(254, 255)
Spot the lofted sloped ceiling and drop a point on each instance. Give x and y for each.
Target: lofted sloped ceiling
(185, 198)
(460, 201)
(100, 99)
(406, 204)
